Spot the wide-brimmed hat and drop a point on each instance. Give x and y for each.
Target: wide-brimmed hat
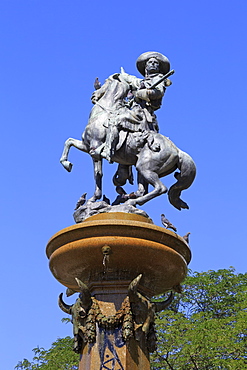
(143, 58)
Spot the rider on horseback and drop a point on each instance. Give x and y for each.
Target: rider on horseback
(138, 114)
(126, 133)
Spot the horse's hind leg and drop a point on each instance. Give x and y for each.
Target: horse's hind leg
(151, 178)
(184, 180)
(98, 174)
(79, 144)
(142, 186)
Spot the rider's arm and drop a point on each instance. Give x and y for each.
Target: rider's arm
(133, 81)
(150, 94)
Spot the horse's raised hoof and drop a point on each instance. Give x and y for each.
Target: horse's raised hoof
(67, 165)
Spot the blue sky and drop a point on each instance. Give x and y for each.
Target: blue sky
(51, 52)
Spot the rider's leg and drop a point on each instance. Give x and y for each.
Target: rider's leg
(110, 143)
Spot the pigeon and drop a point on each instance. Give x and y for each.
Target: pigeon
(97, 84)
(81, 201)
(105, 199)
(186, 237)
(132, 195)
(166, 223)
(122, 197)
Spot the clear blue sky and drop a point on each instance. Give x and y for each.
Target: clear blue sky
(51, 52)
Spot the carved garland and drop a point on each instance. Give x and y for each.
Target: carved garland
(122, 317)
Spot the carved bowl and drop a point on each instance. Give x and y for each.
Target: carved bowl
(131, 244)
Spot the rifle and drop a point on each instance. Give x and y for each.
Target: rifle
(162, 79)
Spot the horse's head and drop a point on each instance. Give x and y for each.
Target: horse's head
(112, 91)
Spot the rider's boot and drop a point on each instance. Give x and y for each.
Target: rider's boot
(107, 154)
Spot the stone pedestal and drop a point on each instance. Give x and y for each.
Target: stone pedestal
(107, 252)
(110, 351)
(133, 356)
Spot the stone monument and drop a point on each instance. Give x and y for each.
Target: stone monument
(114, 256)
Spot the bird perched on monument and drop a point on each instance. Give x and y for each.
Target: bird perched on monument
(97, 84)
(81, 201)
(122, 197)
(186, 237)
(166, 223)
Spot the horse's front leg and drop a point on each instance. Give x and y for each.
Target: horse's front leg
(79, 144)
(98, 174)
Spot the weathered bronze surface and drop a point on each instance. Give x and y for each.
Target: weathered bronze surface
(123, 128)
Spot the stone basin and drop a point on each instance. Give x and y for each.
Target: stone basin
(137, 246)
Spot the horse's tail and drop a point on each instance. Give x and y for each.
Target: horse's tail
(185, 178)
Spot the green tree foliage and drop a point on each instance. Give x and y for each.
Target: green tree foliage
(205, 329)
(59, 357)
(209, 329)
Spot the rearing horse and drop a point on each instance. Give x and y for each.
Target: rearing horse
(153, 154)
